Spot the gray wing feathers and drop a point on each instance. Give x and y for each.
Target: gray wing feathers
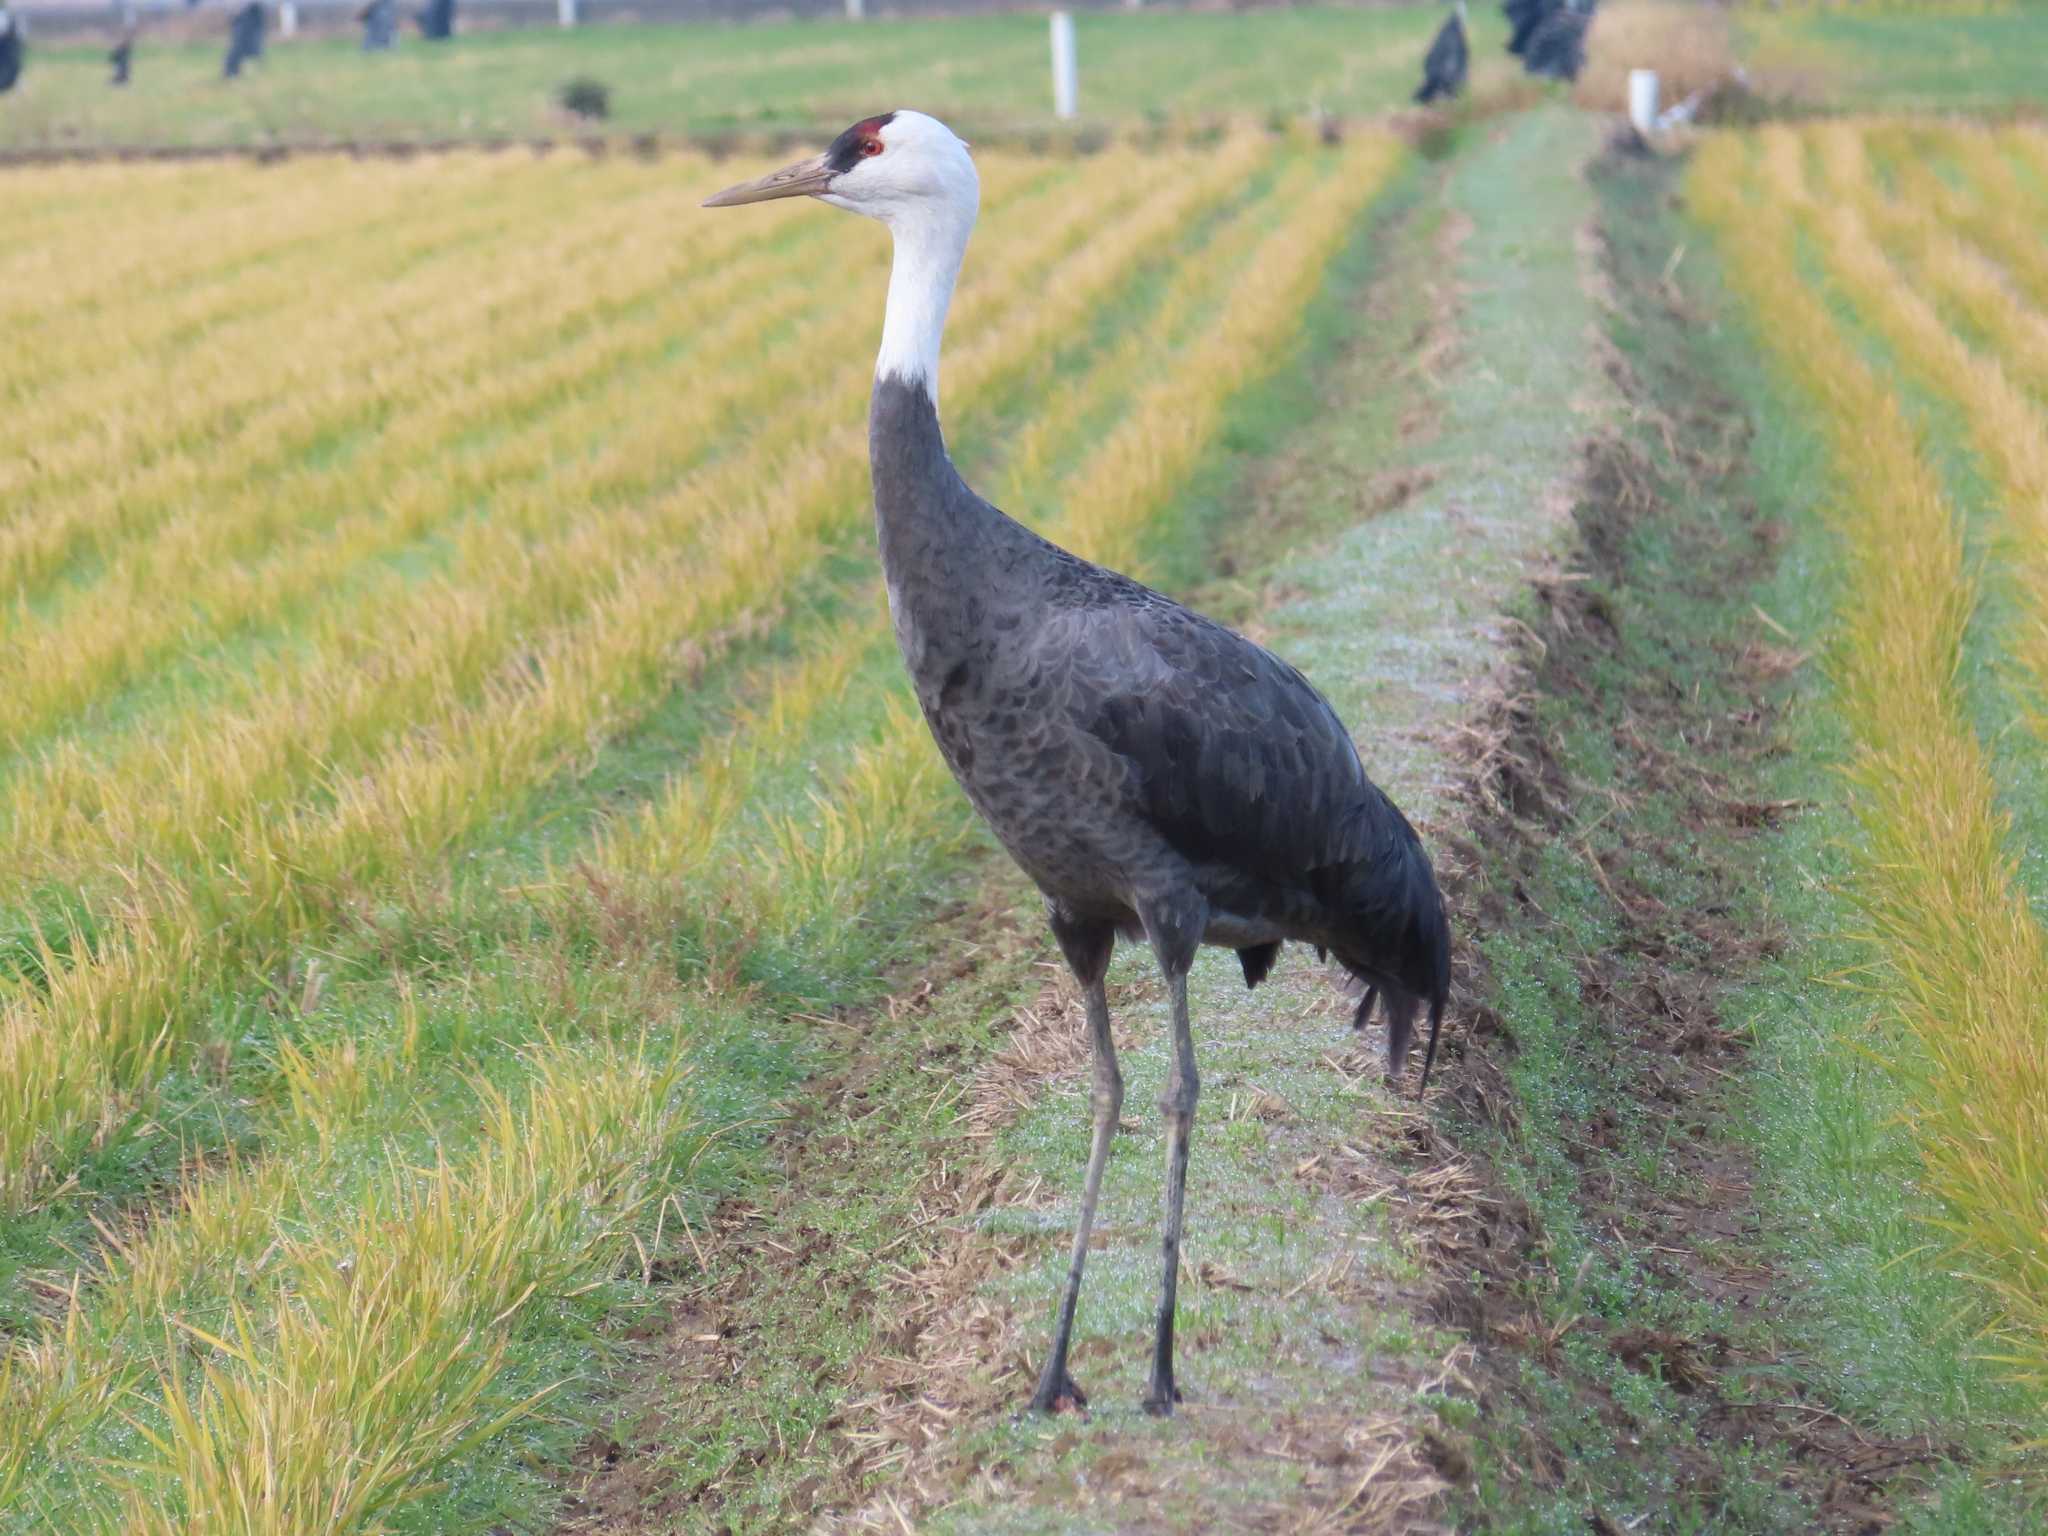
(1235, 758)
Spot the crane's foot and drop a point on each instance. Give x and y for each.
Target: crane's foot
(1160, 1403)
(1058, 1395)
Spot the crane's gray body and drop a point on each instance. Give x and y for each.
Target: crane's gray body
(1148, 768)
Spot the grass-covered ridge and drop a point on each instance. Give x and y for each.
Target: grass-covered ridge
(1738, 1320)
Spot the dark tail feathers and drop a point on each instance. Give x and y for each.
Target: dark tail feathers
(1402, 1006)
(1405, 957)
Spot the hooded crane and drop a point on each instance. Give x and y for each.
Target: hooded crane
(1156, 775)
(1443, 67)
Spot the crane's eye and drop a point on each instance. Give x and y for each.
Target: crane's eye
(871, 147)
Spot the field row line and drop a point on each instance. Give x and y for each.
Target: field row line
(2008, 432)
(198, 271)
(597, 447)
(374, 290)
(179, 219)
(248, 410)
(239, 564)
(436, 315)
(302, 1347)
(1963, 960)
(1989, 259)
(491, 359)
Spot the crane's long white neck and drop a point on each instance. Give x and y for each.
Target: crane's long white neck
(931, 242)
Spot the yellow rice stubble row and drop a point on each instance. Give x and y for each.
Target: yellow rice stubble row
(1028, 487)
(431, 317)
(246, 409)
(1964, 965)
(2008, 431)
(226, 268)
(72, 1056)
(648, 294)
(183, 369)
(59, 199)
(370, 666)
(1981, 245)
(1994, 212)
(301, 1347)
(245, 558)
(250, 225)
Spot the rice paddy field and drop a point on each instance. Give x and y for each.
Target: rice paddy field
(471, 533)
(506, 1025)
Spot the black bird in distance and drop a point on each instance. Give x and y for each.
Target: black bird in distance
(245, 39)
(13, 49)
(1449, 56)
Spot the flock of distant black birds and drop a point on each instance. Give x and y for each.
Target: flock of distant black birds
(246, 29)
(1549, 36)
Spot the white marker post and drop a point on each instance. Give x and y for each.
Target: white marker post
(1642, 102)
(565, 13)
(1066, 79)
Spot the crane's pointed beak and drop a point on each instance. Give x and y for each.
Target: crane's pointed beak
(806, 178)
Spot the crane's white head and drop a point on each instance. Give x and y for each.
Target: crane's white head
(914, 174)
(896, 167)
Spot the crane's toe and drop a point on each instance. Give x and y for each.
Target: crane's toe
(1060, 1396)
(1160, 1404)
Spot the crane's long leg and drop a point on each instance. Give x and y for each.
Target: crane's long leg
(1177, 1103)
(1056, 1388)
